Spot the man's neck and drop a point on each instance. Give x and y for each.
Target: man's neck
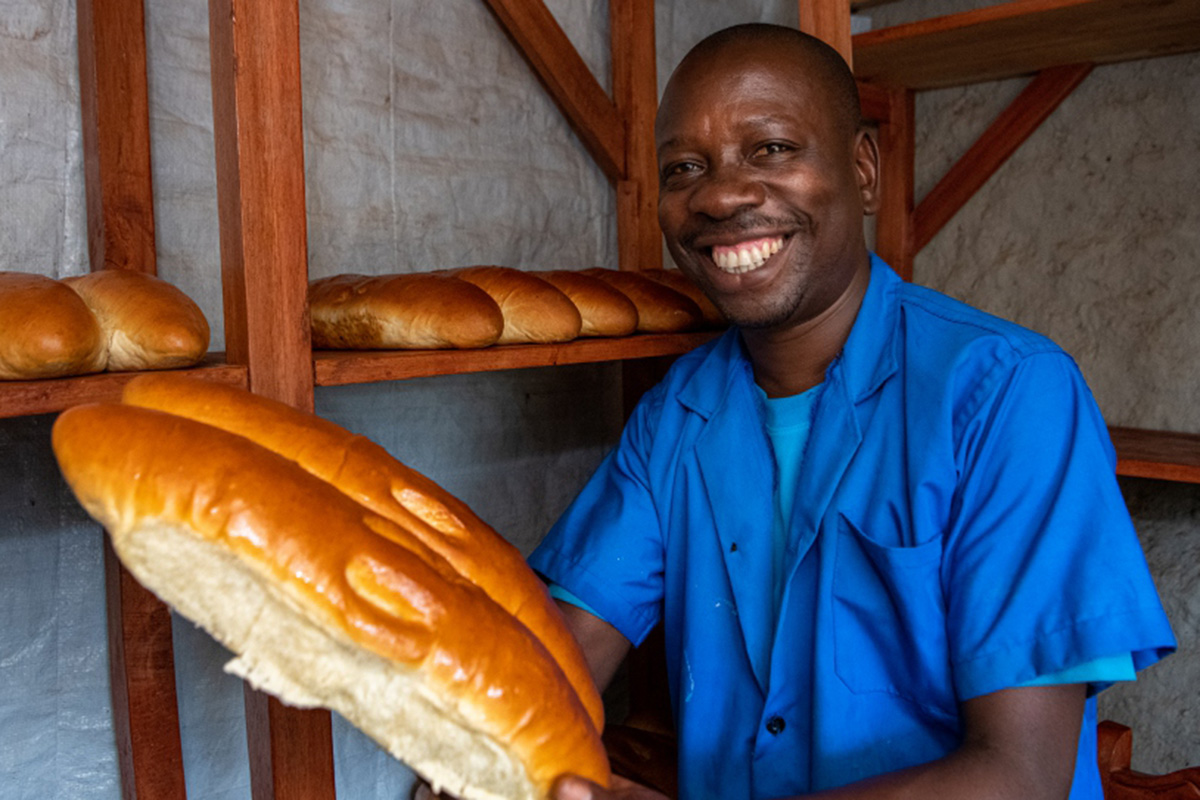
(791, 360)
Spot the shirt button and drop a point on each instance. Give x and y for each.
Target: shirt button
(775, 725)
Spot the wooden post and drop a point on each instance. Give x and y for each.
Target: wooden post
(635, 92)
(264, 271)
(114, 101)
(116, 134)
(894, 222)
(829, 21)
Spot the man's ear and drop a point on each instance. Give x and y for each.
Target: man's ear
(866, 168)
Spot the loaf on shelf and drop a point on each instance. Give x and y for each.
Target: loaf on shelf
(111, 319)
(410, 311)
(474, 307)
(683, 284)
(661, 309)
(534, 311)
(148, 324)
(339, 578)
(604, 311)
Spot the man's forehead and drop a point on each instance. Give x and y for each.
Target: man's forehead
(724, 82)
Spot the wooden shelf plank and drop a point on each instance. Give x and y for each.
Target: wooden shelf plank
(341, 367)
(24, 398)
(1162, 455)
(1022, 37)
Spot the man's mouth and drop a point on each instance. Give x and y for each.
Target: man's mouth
(745, 256)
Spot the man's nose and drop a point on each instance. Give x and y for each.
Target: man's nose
(726, 191)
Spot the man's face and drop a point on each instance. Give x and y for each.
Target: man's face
(761, 193)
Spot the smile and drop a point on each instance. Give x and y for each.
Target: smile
(745, 256)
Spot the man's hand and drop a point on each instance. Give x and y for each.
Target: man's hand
(571, 787)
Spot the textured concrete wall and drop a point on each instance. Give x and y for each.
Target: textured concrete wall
(1090, 234)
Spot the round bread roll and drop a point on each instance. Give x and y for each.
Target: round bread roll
(604, 310)
(46, 331)
(683, 284)
(147, 323)
(325, 603)
(412, 311)
(534, 311)
(368, 474)
(660, 308)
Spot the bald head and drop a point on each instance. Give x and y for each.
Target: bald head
(808, 59)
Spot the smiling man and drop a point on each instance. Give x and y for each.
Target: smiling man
(881, 528)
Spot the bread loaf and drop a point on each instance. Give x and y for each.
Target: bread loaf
(604, 310)
(660, 308)
(326, 603)
(412, 311)
(534, 311)
(673, 278)
(146, 322)
(366, 472)
(46, 331)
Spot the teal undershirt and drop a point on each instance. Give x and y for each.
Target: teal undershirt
(788, 423)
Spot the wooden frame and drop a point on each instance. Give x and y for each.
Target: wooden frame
(257, 122)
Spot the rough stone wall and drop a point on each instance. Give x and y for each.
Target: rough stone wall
(1090, 234)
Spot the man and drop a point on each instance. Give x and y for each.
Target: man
(882, 529)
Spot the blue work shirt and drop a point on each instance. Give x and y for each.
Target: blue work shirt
(959, 521)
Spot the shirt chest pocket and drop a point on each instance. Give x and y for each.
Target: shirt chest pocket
(889, 625)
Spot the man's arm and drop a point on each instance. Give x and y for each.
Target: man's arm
(1019, 744)
(604, 647)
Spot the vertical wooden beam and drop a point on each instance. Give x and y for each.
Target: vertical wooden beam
(829, 21)
(116, 134)
(1002, 138)
(259, 146)
(894, 221)
(114, 100)
(141, 663)
(264, 271)
(635, 92)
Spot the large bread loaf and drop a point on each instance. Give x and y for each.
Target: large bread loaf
(358, 467)
(326, 603)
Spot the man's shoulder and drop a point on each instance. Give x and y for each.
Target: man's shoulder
(937, 323)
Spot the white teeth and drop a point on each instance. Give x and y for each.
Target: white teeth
(746, 257)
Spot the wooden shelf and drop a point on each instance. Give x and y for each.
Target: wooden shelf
(25, 398)
(1157, 454)
(1025, 36)
(341, 367)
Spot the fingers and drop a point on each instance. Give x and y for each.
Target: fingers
(571, 787)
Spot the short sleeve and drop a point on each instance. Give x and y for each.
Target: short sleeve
(607, 548)
(1042, 570)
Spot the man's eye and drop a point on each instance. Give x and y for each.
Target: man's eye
(679, 169)
(771, 148)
